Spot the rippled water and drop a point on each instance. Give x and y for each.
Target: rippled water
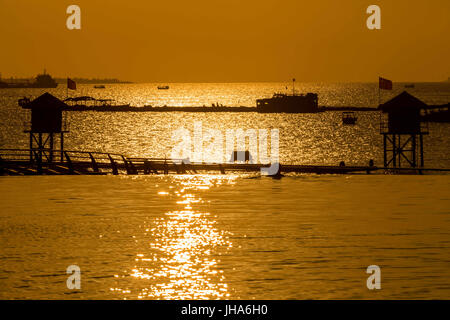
(226, 236)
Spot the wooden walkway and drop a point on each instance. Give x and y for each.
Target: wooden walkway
(17, 162)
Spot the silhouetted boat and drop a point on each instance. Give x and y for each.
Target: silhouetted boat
(99, 87)
(42, 81)
(294, 103)
(289, 103)
(163, 87)
(409, 86)
(349, 117)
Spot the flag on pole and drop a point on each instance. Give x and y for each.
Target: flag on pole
(72, 85)
(385, 84)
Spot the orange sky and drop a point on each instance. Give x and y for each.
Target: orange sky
(227, 40)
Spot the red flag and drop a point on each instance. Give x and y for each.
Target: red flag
(385, 84)
(72, 85)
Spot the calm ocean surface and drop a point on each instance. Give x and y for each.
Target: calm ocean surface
(227, 236)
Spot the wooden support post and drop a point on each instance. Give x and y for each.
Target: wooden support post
(126, 165)
(413, 151)
(69, 163)
(166, 167)
(50, 158)
(146, 167)
(40, 146)
(222, 170)
(39, 155)
(94, 163)
(421, 151)
(2, 170)
(394, 151)
(62, 146)
(132, 167)
(385, 151)
(115, 171)
(31, 147)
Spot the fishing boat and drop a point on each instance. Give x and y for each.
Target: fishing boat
(409, 85)
(349, 118)
(288, 103)
(99, 86)
(163, 87)
(41, 81)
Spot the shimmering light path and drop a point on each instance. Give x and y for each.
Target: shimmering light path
(218, 237)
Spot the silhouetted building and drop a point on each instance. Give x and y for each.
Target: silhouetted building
(401, 117)
(47, 120)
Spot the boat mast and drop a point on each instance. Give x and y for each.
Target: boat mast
(293, 86)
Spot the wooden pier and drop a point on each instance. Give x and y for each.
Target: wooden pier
(16, 162)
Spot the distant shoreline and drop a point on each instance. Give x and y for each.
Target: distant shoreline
(64, 81)
(92, 81)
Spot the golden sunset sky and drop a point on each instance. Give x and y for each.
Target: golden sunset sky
(227, 40)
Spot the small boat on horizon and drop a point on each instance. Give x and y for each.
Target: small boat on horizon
(99, 86)
(289, 103)
(410, 85)
(163, 87)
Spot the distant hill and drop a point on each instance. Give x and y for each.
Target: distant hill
(63, 81)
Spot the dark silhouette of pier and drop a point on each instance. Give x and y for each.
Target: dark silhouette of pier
(17, 162)
(48, 122)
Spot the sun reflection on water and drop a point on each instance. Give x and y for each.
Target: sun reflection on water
(182, 258)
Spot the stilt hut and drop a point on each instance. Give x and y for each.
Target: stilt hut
(47, 121)
(402, 129)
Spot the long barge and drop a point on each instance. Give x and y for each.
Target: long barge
(15, 162)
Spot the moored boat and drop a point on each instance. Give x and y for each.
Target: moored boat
(289, 103)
